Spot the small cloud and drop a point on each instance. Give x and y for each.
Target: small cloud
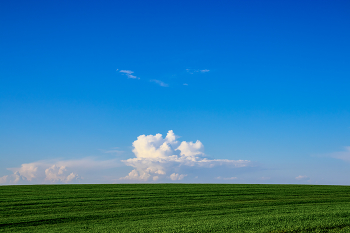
(160, 83)
(185, 84)
(300, 177)
(129, 73)
(176, 176)
(126, 71)
(134, 175)
(192, 71)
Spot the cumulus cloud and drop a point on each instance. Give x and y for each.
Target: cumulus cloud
(55, 173)
(129, 74)
(28, 171)
(58, 171)
(160, 83)
(3, 179)
(157, 156)
(176, 176)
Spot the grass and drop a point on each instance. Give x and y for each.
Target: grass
(174, 208)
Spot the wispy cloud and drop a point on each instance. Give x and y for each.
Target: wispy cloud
(114, 150)
(192, 71)
(160, 83)
(129, 73)
(185, 84)
(157, 156)
(343, 155)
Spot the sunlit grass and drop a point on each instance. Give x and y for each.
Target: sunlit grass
(174, 208)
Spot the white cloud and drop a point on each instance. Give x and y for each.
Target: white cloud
(192, 71)
(160, 83)
(300, 177)
(185, 84)
(28, 171)
(3, 179)
(54, 174)
(55, 171)
(158, 156)
(176, 176)
(190, 149)
(129, 73)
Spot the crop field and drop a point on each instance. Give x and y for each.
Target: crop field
(174, 208)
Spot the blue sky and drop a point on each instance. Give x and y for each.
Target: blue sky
(263, 85)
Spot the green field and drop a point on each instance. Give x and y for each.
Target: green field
(174, 208)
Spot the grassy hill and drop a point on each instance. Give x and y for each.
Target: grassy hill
(174, 208)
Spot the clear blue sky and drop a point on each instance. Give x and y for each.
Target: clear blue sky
(264, 82)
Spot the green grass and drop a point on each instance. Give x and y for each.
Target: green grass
(174, 208)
